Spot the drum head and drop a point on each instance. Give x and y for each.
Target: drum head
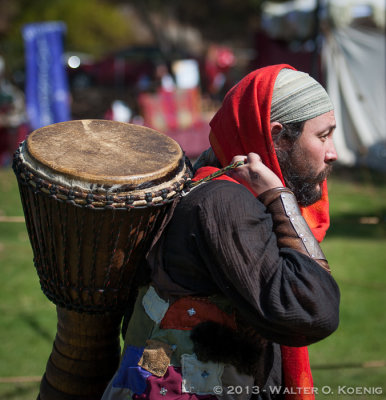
(105, 152)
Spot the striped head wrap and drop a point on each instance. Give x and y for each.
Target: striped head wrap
(297, 97)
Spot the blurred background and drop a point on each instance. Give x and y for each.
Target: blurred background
(167, 65)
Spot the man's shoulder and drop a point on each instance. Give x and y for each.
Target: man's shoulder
(221, 193)
(220, 188)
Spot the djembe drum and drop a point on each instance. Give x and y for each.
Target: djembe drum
(94, 193)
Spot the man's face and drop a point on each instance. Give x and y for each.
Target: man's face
(308, 163)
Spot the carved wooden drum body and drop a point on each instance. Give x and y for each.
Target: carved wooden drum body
(94, 193)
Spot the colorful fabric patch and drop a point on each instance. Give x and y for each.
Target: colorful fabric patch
(156, 357)
(130, 375)
(154, 306)
(168, 388)
(199, 377)
(187, 312)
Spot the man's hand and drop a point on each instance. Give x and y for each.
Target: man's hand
(255, 174)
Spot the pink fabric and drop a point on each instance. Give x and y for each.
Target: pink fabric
(169, 387)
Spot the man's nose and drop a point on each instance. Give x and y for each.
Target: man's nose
(331, 154)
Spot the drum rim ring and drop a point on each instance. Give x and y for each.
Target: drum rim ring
(126, 200)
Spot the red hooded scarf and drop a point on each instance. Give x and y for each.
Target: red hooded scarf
(241, 126)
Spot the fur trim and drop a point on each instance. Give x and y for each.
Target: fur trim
(219, 343)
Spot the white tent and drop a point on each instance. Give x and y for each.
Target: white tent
(353, 57)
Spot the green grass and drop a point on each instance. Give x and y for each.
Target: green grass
(355, 250)
(27, 318)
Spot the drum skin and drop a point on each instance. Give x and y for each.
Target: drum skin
(94, 195)
(105, 152)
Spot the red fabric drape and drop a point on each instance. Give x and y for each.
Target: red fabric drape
(241, 126)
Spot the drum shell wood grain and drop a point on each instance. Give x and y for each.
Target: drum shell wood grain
(86, 258)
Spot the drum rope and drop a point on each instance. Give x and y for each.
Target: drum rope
(111, 245)
(50, 217)
(216, 174)
(129, 246)
(40, 246)
(65, 236)
(99, 200)
(80, 230)
(96, 242)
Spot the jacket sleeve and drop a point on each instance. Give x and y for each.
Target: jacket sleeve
(282, 292)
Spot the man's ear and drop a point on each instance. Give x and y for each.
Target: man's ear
(276, 128)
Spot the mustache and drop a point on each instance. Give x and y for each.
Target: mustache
(309, 178)
(323, 175)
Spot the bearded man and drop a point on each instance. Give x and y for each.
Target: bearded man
(238, 283)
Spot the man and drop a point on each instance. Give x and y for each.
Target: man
(239, 285)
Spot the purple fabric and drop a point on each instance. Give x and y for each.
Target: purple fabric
(168, 388)
(46, 91)
(129, 374)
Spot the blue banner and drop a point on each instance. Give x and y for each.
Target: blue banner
(46, 91)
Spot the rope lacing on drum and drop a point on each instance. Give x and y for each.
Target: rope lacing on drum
(99, 201)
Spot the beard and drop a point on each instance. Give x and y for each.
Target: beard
(301, 177)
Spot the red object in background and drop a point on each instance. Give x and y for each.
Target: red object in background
(117, 69)
(225, 58)
(124, 67)
(271, 51)
(218, 61)
(10, 138)
(178, 115)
